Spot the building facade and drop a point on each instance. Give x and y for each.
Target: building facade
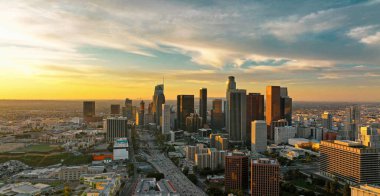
(237, 113)
(255, 111)
(166, 113)
(352, 123)
(327, 121)
(115, 109)
(116, 128)
(185, 106)
(193, 123)
(265, 177)
(203, 105)
(259, 136)
(236, 172)
(158, 100)
(283, 134)
(350, 161)
(273, 108)
(217, 114)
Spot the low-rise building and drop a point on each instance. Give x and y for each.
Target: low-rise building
(365, 190)
(101, 184)
(150, 187)
(25, 189)
(72, 173)
(120, 149)
(283, 134)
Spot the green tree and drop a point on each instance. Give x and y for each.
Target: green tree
(186, 171)
(327, 186)
(193, 178)
(333, 186)
(346, 190)
(214, 191)
(66, 190)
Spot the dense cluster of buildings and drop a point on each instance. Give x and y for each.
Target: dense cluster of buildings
(234, 134)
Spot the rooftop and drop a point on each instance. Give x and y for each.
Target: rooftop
(265, 161)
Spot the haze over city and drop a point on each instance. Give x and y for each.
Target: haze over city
(190, 98)
(322, 51)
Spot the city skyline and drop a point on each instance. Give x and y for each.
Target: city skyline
(322, 51)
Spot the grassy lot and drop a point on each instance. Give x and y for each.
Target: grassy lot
(38, 148)
(35, 160)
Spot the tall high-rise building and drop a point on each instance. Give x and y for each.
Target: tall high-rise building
(217, 115)
(115, 109)
(286, 105)
(273, 108)
(237, 113)
(350, 161)
(141, 112)
(127, 109)
(236, 172)
(259, 136)
(88, 109)
(255, 111)
(193, 122)
(327, 121)
(116, 127)
(150, 108)
(185, 106)
(166, 112)
(203, 104)
(135, 111)
(369, 137)
(265, 177)
(352, 123)
(158, 100)
(231, 85)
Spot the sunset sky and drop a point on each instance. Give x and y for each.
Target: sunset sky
(321, 50)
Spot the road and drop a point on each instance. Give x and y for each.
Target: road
(132, 181)
(164, 165)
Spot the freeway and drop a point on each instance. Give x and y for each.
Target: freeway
(164, 165)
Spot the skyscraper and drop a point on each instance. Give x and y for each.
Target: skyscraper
(115, 109)
(369, 137)
(141, 112)
(352, 124)
(185, 106)
(265, 177)
(193, 122)
(327, 121)
(116, 127)
(166, 112)
(259, 136)
(231, 85)
(88, 109)
(236, 172)
(273, 108)
(203, 104)
(127, 109)
(237, 112)
(286, 105)
(255, 111)
(158, 100)
(217, 115)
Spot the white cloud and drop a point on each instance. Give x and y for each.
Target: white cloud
(289, 28)
(366, 34)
